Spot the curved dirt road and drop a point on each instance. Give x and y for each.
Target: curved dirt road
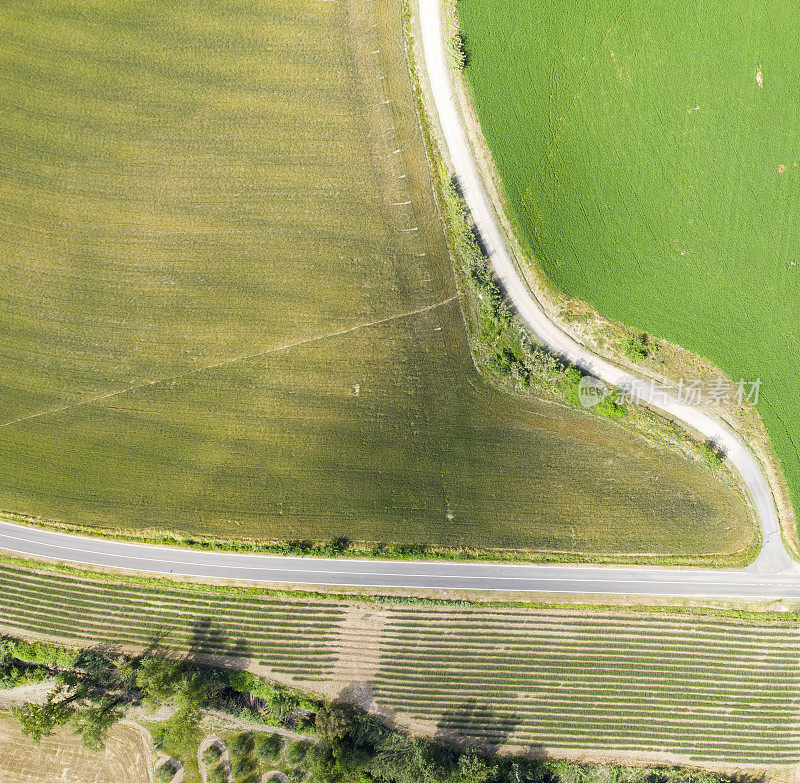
(773, 557)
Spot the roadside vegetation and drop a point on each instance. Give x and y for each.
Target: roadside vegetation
(239, 322)
(648, 166)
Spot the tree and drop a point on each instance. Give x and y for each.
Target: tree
(458, 55)
(243, 745)
(472, 768)
(296, 752)
(333, 722)
(217, 775)
(92, 724)
(165, 772)
(211, 755)
(181, 730)
(158, 678)
(270, 747)
(244, 766)
(38, 720)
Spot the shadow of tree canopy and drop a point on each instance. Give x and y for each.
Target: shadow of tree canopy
(206, 639)
(475, 724)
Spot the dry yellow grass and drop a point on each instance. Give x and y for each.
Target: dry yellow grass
(62, 758)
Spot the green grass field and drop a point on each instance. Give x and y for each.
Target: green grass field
(226, 306)
(644, 167)
(703, 688)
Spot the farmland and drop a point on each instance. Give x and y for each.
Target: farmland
(63, 758)
(227, 308)
(604, 684)
(649, 158)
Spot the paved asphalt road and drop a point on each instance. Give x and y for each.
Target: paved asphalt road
(746, 583)
(774, 574)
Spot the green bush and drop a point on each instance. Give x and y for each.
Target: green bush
(635, 348)
(710, 455)
(333, 723)
(217, 775)
(296, 752)
(609, 407)
(244, 766)
(243, 745)
(211, 755)
(270, 748)
(178, 734)
(165, 772)
(456, 51)
(10, 676)
(246, 682)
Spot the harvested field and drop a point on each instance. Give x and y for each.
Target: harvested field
(584, 683)
(63, 759)
(227, 308)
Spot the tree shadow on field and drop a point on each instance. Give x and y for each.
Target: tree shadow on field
(476, 725)
(207, 641)
(362, 696)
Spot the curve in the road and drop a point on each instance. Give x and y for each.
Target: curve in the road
(773, 575)
(773, 556)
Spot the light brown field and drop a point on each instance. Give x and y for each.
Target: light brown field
(62, 759)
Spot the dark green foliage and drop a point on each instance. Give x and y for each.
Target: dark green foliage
(211, 755)
(372, 752)
(334, 722)
(157, 678)
(270, 747)
(242, 746)
(217, 775)
(11, 676)
(296, 752)
(296, 775)
(165, 772)
(636, 348)
(243, 766)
